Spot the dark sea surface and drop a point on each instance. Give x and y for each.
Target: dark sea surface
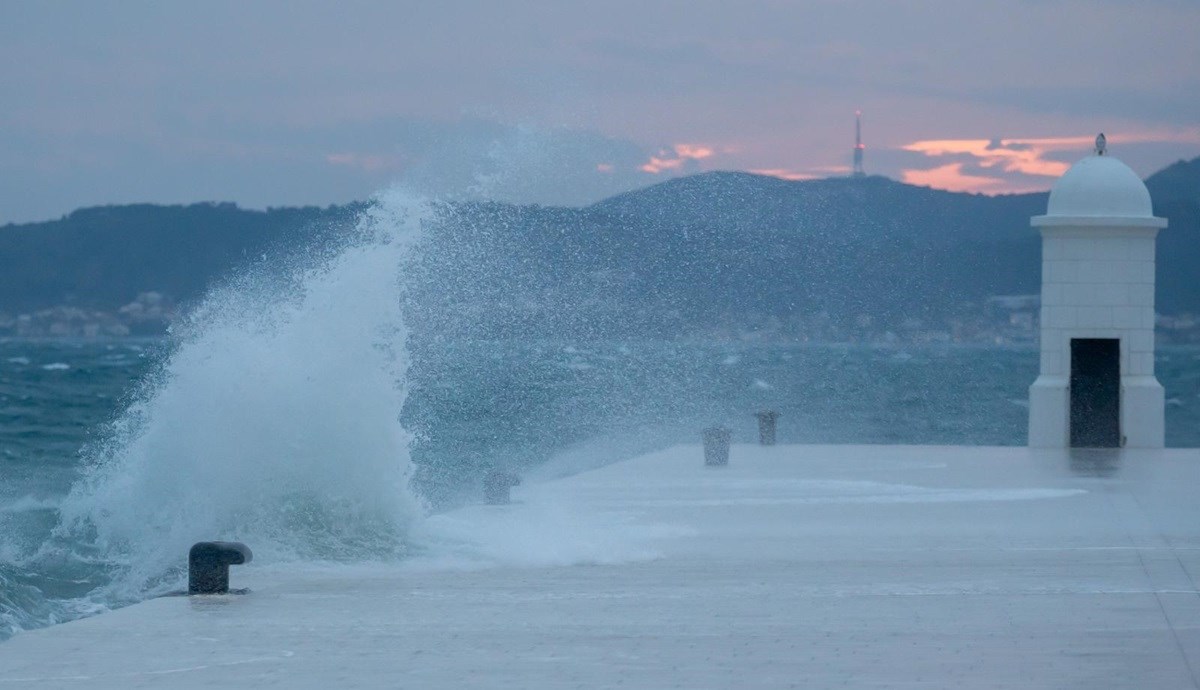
(531, 407)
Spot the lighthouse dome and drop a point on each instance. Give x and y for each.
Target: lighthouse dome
(1100, 185)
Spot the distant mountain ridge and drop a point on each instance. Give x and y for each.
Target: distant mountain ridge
(1178, 182)
(715, 252)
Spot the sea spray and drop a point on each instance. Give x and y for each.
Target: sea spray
(275, 420)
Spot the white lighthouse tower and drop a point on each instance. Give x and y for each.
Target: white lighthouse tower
(1097, 387)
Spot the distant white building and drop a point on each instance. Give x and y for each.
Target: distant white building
(1097, 387)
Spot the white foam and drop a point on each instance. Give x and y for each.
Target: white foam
(56, 366)
(721, 491)
(931, 496)
(29, 503)
(275, 421)
(543, 531)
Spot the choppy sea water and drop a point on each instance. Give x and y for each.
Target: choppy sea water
(532, 407)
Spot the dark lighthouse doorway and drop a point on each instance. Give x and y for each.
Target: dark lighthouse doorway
(1095, 393)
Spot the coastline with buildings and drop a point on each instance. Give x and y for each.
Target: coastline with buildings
(148, 315)
(999, 320)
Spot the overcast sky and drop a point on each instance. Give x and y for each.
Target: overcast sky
(556, 101)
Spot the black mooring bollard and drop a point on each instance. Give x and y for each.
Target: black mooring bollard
(766, 426)
(496, 486)
(208, 565)
(716, 446)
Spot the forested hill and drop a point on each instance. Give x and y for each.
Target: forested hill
(731, 251)
(103, 257)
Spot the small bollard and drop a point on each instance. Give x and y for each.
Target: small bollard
(496, 486)
(716, 446)
(766, 426)
(208, 565)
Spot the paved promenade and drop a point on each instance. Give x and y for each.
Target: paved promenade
(796, 566)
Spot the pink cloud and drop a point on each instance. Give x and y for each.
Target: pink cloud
(698, 152)
(675, 157)
(951, 177)
(1024, 156)
(1019, 156)
(784, 174)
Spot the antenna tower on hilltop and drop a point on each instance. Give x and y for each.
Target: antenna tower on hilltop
(858, 145)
